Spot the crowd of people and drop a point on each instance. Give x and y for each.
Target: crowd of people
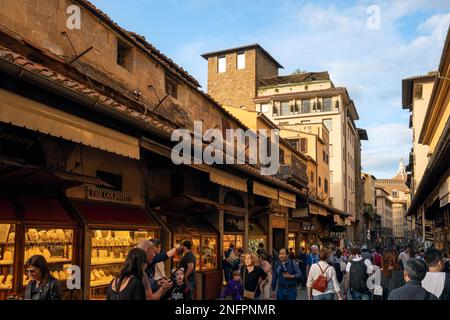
(349, 274)
(356, 274)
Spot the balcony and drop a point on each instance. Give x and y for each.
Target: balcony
(293, 171)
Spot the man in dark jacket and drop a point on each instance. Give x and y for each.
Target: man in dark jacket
(414, 273)
(286, 275)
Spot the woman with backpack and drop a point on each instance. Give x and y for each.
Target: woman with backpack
(322, 282)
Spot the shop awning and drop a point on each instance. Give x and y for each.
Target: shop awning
(228, 180)
(189, 225)
(23, 112)
(317, 210)
(286, 199)
(7, 210)
(106, 214)
(265, 191)
(184, 202)
(18, 174)
(45, 210)
(444, 193)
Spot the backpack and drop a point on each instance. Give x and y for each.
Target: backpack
(445, 295)
(321, 282)
(358, 276)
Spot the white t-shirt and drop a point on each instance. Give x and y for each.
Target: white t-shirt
(434, 282)
(330, 273)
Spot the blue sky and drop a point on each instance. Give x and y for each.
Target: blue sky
(314, 36)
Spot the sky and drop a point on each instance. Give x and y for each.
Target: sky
(367, 46)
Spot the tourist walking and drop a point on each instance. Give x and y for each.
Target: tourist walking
(357, 272)
(322, 283)
(414, 272)
(252, 275)
(285, 277)
(266, 283)
(391, 274)
(436, 281)
(312, 257)
(229, 261)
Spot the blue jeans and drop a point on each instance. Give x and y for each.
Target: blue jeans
(287, 293)
(325, 296)
(360, 296)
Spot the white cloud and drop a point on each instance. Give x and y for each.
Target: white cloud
(370, 63)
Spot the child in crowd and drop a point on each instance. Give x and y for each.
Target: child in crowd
(179, 289)
(233, 290)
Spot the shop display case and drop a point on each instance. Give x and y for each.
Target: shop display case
(254, 241)
(56, 245)
(109, 249)
(7, 246)
(204, 247)
(236, 239)
(292, 241)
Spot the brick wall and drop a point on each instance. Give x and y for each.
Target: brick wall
(41, 23)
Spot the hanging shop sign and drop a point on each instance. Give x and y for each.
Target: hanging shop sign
(338, 235)
(300, 213)
(96, 193)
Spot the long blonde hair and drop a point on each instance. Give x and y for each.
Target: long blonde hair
(252, 255)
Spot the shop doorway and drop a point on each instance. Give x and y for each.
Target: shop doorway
(278, 239)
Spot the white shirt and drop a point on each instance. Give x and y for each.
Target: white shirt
(434, 282)
(160, 271)
(330, 273)
(366, 262)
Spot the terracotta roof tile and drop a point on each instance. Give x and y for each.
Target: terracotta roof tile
(21, 61)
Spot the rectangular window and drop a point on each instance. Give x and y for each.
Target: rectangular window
(124, 55)
(328, 123)
(281, 155)
(293, 143)
(275, 111)
(306, 106)
(285, 108)
(241, 60)
(319, 105)
(221, 64)
(325, 182)
(320, 182)
(331, 150)
(418, 90)
(171, 88)
(327, 104)
(312, 176)
(304, 145)
(297, 106)
(115, 180)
